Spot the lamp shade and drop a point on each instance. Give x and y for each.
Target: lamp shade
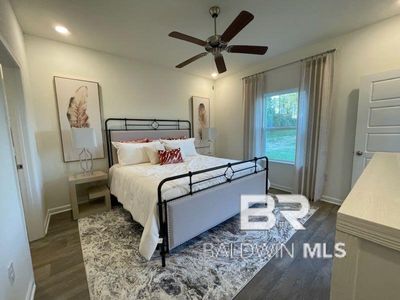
(83, 137)
(209, 134)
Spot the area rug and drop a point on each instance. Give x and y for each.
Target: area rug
(215, 265)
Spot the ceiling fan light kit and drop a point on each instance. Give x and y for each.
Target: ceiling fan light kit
(216, 43)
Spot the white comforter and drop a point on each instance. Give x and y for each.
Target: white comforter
(135, 186)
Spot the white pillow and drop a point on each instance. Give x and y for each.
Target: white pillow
(131, 153)
(187, 146)
(152, 152)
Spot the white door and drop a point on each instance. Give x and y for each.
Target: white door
(378, 119)
(12, 91)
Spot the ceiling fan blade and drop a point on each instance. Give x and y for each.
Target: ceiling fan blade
(237, 25)
(187, 38)
(219, 61)
(192, 59)
(259, 50)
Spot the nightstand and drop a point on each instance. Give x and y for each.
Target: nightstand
(98, 195)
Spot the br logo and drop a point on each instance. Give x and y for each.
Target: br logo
(253, 215)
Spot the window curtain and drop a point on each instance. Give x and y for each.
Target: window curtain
(253, 98)
(313, 125)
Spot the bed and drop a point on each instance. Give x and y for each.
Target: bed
(177, 202)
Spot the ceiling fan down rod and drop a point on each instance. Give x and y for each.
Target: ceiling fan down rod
(214, 12)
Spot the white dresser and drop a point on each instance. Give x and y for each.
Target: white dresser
(368, 223)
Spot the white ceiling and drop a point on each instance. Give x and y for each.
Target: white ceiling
(139, 29)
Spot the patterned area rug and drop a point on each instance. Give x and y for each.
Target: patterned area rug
(215, 265)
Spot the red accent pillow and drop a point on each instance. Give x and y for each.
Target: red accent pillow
(175, 138)
(168, 138)
(172, 156)
(139, 141)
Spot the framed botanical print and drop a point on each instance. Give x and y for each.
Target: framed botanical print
(78, 103)
(200, 118)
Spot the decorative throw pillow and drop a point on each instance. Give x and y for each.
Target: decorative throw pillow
(152, 151)
(172, 156)
(142, 140)
(175, 138)
(131, 153)
(187, 146)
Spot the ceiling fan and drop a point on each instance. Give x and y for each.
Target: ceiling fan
(216, 43)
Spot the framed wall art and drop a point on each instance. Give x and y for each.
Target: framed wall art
(78, 103)
(200, 118)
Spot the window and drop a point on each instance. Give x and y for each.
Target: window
(280, 125)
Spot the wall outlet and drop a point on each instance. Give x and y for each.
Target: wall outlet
(11, 273)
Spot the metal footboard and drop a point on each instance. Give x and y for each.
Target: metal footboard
(227, 176)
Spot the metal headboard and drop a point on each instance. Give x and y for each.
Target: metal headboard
(125, 124)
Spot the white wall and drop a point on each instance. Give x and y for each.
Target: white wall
(281, 176)
(129, 88)
(12, 38)
(366, 51)
(14, 245)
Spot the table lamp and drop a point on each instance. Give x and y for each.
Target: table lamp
(84, 138)
(209, 135)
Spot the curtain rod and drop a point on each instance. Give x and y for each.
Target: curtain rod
(290, 63)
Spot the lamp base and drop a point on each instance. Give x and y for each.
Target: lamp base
(86, 161)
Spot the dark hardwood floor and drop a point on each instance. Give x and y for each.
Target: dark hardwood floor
(60, 273)
(298, 278)
(58, 262)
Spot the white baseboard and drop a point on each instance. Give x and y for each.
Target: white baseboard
(281, 187)
(324, 198)
(331, 200)
(46, 222)
(54, 211)
(30, 295)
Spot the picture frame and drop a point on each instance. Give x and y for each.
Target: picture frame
(200, 119)
(78, 106)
